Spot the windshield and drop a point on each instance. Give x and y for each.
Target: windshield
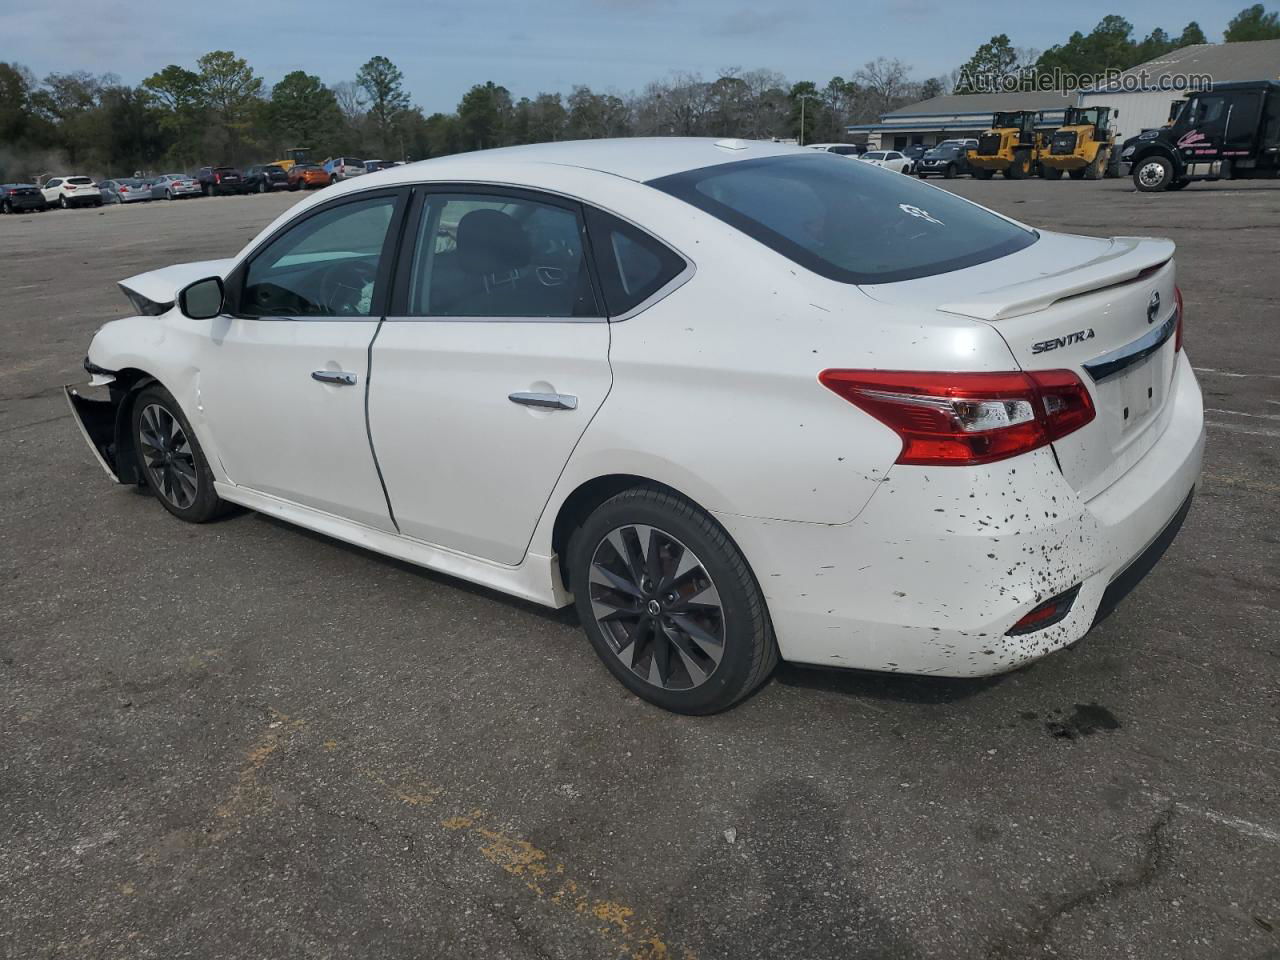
(874, 155)
(848, 221)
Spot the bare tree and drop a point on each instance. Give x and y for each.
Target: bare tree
(351, 100)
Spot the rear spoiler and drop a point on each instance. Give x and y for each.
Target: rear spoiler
(1127, 259)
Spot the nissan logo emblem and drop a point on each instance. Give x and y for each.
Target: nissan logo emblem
(1153, 307)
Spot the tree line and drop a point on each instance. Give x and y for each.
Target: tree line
(1111, 45)
(222, 111)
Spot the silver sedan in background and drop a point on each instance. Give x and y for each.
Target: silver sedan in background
(171, 186)
(124, 190)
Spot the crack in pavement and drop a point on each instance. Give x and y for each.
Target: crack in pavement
(1017, 946)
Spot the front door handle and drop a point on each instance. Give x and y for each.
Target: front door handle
(549, 401)
(337, 377)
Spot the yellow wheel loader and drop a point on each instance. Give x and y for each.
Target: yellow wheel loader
(293, 155)
(1013, 146)
(1084, 147)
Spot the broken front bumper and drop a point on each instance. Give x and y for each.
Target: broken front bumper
(97, 422)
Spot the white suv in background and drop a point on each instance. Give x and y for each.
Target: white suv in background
(71, 192)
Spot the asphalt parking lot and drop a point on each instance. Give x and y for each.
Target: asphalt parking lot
(245, 740)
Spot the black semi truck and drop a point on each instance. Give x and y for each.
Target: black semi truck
(1230, 132)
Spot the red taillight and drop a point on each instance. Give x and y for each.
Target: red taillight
(1054, 610)
(217, 178)
(1177, 332)
(959, 419)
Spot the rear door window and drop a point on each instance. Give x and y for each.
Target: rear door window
(633, 265)
(501, 257)
(848, 221)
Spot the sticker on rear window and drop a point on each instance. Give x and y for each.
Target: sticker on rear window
(918, 212)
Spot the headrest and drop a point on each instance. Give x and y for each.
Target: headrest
(490, 241)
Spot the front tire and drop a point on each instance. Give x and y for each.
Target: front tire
(669, 603)
(950, 172)
(170, 460)
(1020, 169)
(1050, 173)
(982, 173)
(1152, 174)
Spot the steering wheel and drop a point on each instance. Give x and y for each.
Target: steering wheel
(343, 285)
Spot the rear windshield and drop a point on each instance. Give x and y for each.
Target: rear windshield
(851, 222)
(78, 180)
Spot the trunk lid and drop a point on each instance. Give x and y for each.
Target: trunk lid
(1103, 309)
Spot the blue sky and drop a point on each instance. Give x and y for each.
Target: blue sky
(443, 48)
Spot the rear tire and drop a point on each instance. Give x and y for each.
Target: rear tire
(170, 461)
(1076, 174)
(669, 603)
(1020, 169)
(1050, 173)
(982, 173)
(62, 202)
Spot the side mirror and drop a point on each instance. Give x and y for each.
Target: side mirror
(201, 300)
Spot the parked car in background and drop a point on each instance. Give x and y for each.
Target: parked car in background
(343, 168)
(19, 197)
(304, 176)
(889, 159)
(125, 190)
(220, 180)
(914, 153)
(265, 177)
(373, 166)
(71, 192)
(174, 186)
(948, 159)
(841, 149)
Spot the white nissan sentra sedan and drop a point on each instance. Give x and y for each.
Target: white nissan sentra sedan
(736, 401)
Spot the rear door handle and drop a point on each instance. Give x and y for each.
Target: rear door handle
(337, 377)
(549, 401)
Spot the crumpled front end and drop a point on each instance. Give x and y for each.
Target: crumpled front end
(101, 421)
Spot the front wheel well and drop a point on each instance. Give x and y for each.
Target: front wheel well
(129, 381)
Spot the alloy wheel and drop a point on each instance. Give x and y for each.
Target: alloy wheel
(1151, 173)
(167, 453)
(657, 607)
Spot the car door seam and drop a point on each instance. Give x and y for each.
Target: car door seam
(368, 429)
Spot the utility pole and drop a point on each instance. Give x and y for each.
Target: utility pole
(802, 97)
